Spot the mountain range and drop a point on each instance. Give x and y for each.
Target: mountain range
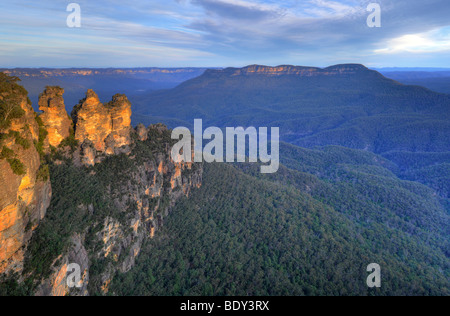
(346, 105)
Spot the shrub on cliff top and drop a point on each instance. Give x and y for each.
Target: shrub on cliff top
(10, 96)
(6, 153)
(3, 136)
(17, 166)
(42, 136)
(70, 141)
(43, 174)
(19, 140)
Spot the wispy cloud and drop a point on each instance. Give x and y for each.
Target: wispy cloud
(223, 33)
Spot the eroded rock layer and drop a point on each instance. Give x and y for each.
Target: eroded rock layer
(54, 116)
(92, 121)
(102, 128)
(25, 189)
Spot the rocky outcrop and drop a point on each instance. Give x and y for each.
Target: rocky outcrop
(120, 111)
(92, 121)
(136, 204)
(57, 284)
(142, 200)
(153, 189)
(102, 128)
(54, 116)
(142, 132)
(25, 189)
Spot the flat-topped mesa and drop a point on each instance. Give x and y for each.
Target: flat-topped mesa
(286, 70)
(105, 128)
(54, 116)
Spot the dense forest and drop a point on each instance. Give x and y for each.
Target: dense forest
(309, 230)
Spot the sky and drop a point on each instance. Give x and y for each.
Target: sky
(223, 33)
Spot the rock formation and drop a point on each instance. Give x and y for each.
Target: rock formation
(92, 121)
(142, 132)
(56, 285)
(137, 203)
(25, 190)
(54, 115)
(120, 111)
(146, 195)
(102, 128)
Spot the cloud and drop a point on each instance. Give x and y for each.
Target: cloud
(239, 9)
(429, 42)
(323, 8)
(224, 32)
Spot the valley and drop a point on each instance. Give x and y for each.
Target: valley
(363, 177)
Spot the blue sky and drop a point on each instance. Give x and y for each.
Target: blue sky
(179, 33)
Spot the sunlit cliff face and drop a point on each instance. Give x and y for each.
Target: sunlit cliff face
(24, 198)
(155, 184)
(292, 70)
(107, 126)
(54, 115)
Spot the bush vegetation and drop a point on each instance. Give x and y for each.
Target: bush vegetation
(310, 232)
(11, 94)
(17, 166)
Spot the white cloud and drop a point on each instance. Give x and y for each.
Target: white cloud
(429, 42)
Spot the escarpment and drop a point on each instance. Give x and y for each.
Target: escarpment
(113, 186)
(25, 189)
(289, 70)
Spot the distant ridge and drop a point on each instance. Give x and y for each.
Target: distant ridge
(62, 72)
(411, 69)
(105, 81)
(346, 105)
(343, 69)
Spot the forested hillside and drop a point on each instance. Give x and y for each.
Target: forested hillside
(434, 79)
(310, 229)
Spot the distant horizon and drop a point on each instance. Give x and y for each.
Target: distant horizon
(238, 67)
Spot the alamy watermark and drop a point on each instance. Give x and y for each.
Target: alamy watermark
(73, 276)
(235, 145)
(374, 279)
(74, 18)
(374, 18)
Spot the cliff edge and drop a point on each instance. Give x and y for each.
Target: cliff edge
(25, 190)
